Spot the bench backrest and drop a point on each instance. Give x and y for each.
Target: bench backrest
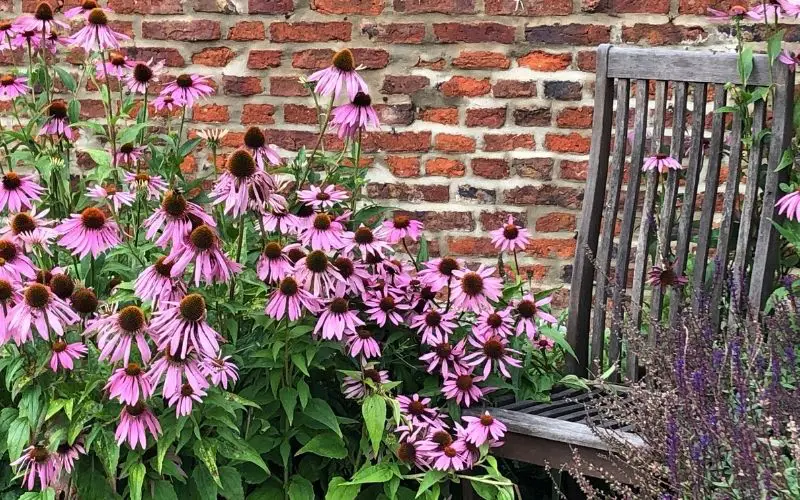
(679, 84)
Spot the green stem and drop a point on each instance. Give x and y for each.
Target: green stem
(322, 131)
(239, 243)
(112, 133)
(45, 83)
(92, 270)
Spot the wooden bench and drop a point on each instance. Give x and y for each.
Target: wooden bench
(661, 84)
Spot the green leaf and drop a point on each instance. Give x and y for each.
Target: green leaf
(787, 159)
(66, 79)
(163, 490)
(206, 485)
(317, 409)
(303, 392)
(18, 434)
(30, 404)
(338, 489)
(774, 44)
(136, 480)
(231, 483)
(429, 479)
(573, 382)
(374, 412)
(300, 489)
(108, 451)
(241, 450)
(745, 64)
(300, 362)
(55, 406)
(373, 474)
(326, 444)
(288, 397)
(207, 454)
(129, 134)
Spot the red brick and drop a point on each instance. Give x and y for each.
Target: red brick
(452, 143)
(472, 246)
(371, 58)
(396, 114)
(297, 113)
(270, 6)
(569, 143)
(490, 168)
(540, 169)
(559, 196)
(216, 6)
(528, 7)
(486, 117)
(563, 91)
(405, 192)
(258, 114)
(435, 220)
(574, 170)
(403, 166)
(532, 117)
(363, 7)
(287, 86)
(321, 58)
(437, 6)
(446, 116)
(395, 32)
(404, 84)
(310, 32)
(587, 60)
(473, 32)
(568, 34)
(700, 7)
(182, 31)
(171, 57)
(92, 108)
(481, 59)
(242, 85)
(495, 220)
(445, 166)
(146, 6)
(552, 248)
(210, 113)
(508, 89)
(263, 59)
(580, 117)
(661, 34)
(507, 142)
(545, 61)
(640, 6)
(555, 222)
(464, 86)
(397, 142)
(245, 31)
(437, 64)
(214, 56)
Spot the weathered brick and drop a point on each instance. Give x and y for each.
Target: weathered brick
(495, 220)
(435, 220)
(447, 167)
(532, 117)
(483, 196)
(486, 117)
(214, 56)
(565, 197)
(445, 116)
(477, 246)
(371, 58)
(473, 32)
(453, 143)
(402, 84)
(395, 114)
(661, 34)
(262, 114)
(297, 113)
(171, 57)
(411, 193)
(507, 142)
(395, 32)
(563, 91)
(569, 143)
(217, 6)
(587, 60)
(574, 170)
(182, 31)
(552, 248)
(263, 59)
(701, 6)
(435, 6)
(363, 7)
(146, 6)
(436, 64)
(463, 86)
(270, 6)
(580, 117)
(310, 32)
(568, 34)
(403, 166)
(545, 61)
(481, 59)
(210, 113)
(245, 31)
(528, 7)
(540, 169)
(640, 6)
(490, 168)
(402, 142)
(555, 222)
(287, 86)
(509, 89)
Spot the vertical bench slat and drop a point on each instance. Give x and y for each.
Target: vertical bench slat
(580, 299)
(726, 221)
(648, 219)
(708, 206)
(690, 194)
(628, 220)
(604, 250)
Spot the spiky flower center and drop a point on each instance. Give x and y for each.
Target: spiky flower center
(447, 265)
(362, 100)
(89, 5)
(126, 148)
(192, 307)
(344, 266)
(323, 196)
(11, 181)
(203, 237)
(142, 178)
(59, 346)
(98, 17)
(364, 333)
(401, 221)
(44, 12)
(135, 410)
(433, 318)
(7, 80)
(387, 303)
(117, 59)
(273, 250)
(407, 452)
(37, 295)
(93, 218)
(184, 81)
(254, 138)
(494, 320)
(449, 451)
(22, 223)
(186, 390)
(444, 350)
(510, 232)
(43, 276)
(493, 348)
(442, 438)
(5, 26)
(241, 164)
(6, 290)
(305, 211)
(668, 276)
(288, 286)
(131, 319)
(57, 110)
(84, 301)
(417, 408)
(373, 258)
(133, 370)
(339, 305)
(487, 419)
(317, 261)
(372, 374)
(174, 204)
(464, 382)
(39, 454)
(526, 309)
(8, 250)
(322, 222)
(472, 284)
(142, 73)
(62, 285)
(295, 254)
(344, 60)
(162, 267)
(427, 293)
(364, 236)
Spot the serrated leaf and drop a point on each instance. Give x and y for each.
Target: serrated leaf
(207, 454)
(300, 488)
(429, 479)
(55, 406)
(108, 450)
(373, 474)
(319, 410)
(241, 450)
(231, 483)
(17, 437)
(374, 412)
(136, 480)
(327, 444)
(338, 489)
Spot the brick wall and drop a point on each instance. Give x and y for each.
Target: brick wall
(487, 104)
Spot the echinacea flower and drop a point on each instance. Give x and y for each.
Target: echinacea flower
(734, 12)
(438, 273)
(23, 226)
(242, 180)
(202, 247)
(408, 450)
(316, 273)
(18, 192)
(84, 301)
(96, 35)
(182, 325)
(337, 320)
(367, 242)
(117, 332)
(322, 198)
(445, 357)
(166, 102)
(473, 290)
(89, 232)
(497, 322)
(789, 205)
(24, 38)
(156, 284)
(289, 299)
(354, 276)
(417, 409)
(790, 7)
(661, 163)
(274, 263)
(434, 325)
(510, 237)
(118, 65)
(214, 136)
(544, 343)
(67, 455)
(187, 89)
(443, 452)
(42, 310)
(36, 462)
(324, 233)
(54, 40)
(63, 354)
(60, 284)
(182, 400)
(789, 58)
(143, 75)
(129, 384)
(400, 227)
(492, 351)
(14, 262)
(129, 154)
(353, 118)
(42, 20)
(110, 194)
(153, 186)
(280, 221)
(256, 143)
(341, 73)
(358, 387)
(665, 276)
(174, 369)
(83, 10)
(461, 387)
(220, 371)
(134, 420)
(765, 12)
(384, 307)
(176, 215)
(57, 122)
(529, 310)
(7, 33)
(13, 86)
(9, 295)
